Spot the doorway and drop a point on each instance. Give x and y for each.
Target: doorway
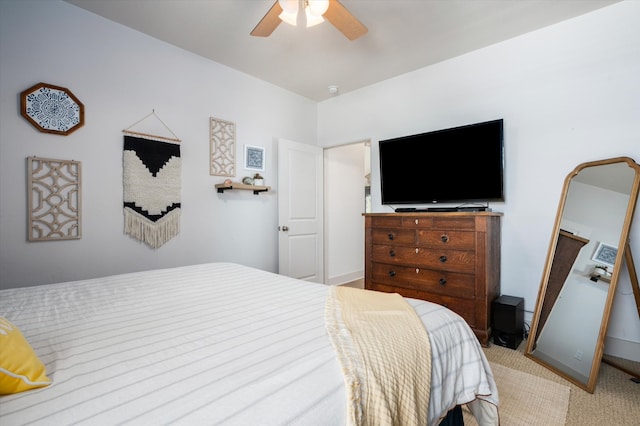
(346, 171)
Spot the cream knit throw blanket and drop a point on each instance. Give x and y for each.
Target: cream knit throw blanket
(385, 355)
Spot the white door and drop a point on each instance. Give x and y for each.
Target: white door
(300, 197)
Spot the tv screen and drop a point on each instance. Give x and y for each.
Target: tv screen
(458, 165)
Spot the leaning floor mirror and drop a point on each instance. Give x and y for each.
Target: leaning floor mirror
(589, 244)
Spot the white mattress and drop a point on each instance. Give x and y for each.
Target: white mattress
(215, 343)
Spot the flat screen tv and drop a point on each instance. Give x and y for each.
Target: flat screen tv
(458, 165)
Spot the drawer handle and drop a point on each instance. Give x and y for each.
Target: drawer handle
(445, 238)
(442, 281)
(392, 273)
(443, 259)
(392, 253)
(390, 235)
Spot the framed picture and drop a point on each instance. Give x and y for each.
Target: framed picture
(605, 254)
(52, 109)
(254, 157)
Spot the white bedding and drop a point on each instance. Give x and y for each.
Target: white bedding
(215, 343)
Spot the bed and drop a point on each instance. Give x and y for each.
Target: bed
(216, 343)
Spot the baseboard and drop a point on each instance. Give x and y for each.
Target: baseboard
(622, 348)
(346, 278)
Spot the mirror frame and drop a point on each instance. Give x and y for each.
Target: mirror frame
(623, 253)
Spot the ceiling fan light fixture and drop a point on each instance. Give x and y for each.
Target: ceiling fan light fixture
(289, 18)
(317, 7)
(316, 11)
(312, 19)
(289, 6)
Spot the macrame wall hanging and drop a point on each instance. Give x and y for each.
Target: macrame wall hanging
(152, 185)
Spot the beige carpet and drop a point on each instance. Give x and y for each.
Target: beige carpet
(616, 400)
(527, 400)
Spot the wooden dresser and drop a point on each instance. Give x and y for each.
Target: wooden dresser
(448, 258)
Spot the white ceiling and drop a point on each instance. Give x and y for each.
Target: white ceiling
(404, 35)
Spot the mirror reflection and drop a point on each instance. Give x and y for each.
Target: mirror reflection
(587, 248)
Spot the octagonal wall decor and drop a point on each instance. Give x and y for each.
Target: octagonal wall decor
(52, 109)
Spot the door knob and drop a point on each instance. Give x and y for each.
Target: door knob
(285, 228)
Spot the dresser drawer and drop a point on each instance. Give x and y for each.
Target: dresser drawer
(439, 222)
(460, 240)
(386, 221)
(440, 282)
(393, 236)
(445, 260)
(466, 308)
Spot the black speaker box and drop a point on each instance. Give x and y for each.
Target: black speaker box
(507, 321)
(508, 340)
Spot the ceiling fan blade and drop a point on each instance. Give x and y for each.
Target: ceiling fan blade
(269, 22)
(343, 20)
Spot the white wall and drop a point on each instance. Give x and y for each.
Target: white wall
(569, 93)
(344, 171)
(120, 76)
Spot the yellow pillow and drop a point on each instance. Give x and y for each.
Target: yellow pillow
(20, 368)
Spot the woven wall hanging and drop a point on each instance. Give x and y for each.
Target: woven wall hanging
(152, 185)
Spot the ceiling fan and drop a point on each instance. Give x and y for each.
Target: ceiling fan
(315, 11)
